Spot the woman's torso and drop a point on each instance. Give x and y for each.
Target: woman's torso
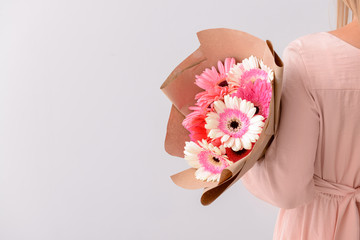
(333, 67)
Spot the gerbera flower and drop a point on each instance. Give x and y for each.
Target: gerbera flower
(235, 156)
(259, 93)
(250, 69)
(234, 122)
(205, 99)
(194, 122)
(208, 159)
(211, 78)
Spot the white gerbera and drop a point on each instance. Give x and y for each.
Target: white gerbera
(234, 122)
(208, 159)
(249, 69)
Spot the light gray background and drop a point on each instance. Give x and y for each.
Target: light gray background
(83, 120)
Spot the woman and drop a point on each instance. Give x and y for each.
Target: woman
(312, 168)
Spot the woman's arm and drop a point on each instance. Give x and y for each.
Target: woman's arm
(284, 176)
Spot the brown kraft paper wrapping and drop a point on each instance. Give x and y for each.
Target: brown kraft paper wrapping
(217, 44)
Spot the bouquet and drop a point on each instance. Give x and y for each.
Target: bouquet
(229, 115)
(226, 102)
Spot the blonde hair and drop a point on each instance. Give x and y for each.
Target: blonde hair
(343, 11)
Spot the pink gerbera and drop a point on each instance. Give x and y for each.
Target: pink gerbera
(215, 84)
(211, 78)
(208, 159)
(205, 99)
(235, 123)
(259, 93)
(249, 70)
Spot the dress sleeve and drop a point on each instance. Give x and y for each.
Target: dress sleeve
(283, 177)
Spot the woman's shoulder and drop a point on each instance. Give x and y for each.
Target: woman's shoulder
(313, 48)
(324, 46)
(310, 43)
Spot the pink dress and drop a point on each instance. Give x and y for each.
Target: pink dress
(311, 170)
